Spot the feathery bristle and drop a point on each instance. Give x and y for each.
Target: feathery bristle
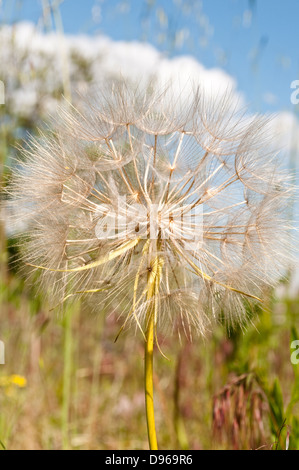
(139, 176)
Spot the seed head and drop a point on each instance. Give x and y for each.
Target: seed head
(146, 198)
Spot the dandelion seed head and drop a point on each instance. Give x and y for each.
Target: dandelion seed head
(140, 185)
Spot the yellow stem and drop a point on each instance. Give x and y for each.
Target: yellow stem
(149, 386)
(152, 287)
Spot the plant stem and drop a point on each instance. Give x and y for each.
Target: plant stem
(67, 372)
(149, 387)
(94, 391)
(153, 282)
(179, 425)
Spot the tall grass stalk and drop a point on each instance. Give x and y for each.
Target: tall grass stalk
(94, 391)
(180, 430)
(67, 375)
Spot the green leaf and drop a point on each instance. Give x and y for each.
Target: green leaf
(276, 407)
(2, 445)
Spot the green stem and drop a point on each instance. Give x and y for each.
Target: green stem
(67, 372)
(179, 425)
(94, 392)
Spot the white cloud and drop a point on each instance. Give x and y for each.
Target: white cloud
(285, 128)
(31, 60)
(270, 98)
(34, 50)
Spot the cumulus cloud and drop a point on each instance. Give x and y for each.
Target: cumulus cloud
(33, 65)
(24, 45)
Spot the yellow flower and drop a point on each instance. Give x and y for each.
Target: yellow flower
(17, 380)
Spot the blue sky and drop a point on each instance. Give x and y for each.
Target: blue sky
(255, 41)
